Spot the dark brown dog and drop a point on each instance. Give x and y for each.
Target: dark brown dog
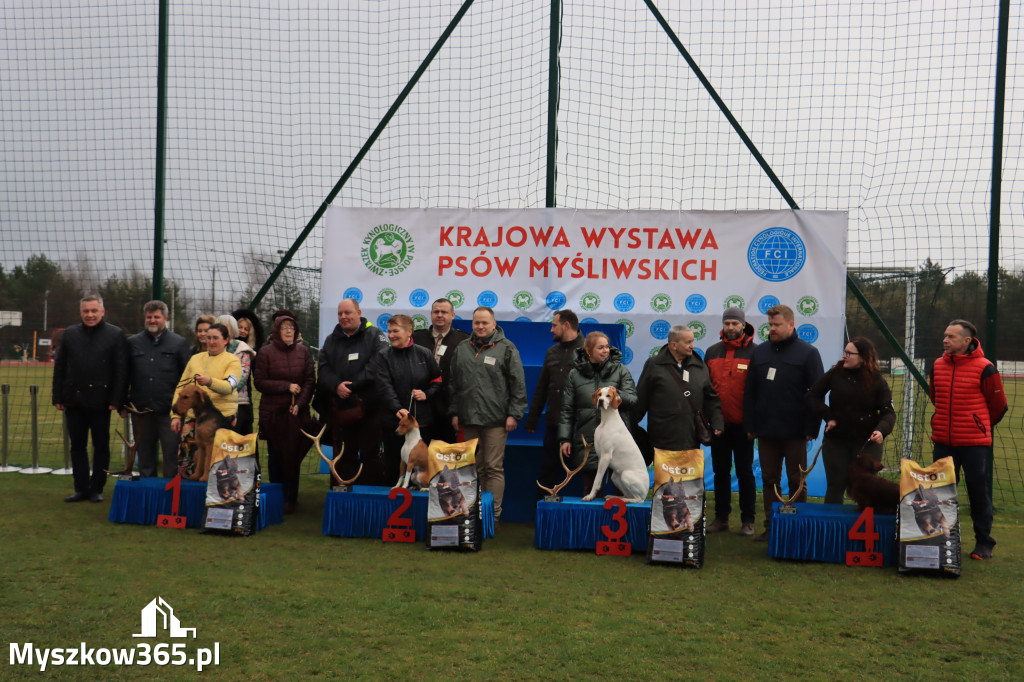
(208, 420)
(868, 489)
(449, 495)
(674, 508)
(928, 514)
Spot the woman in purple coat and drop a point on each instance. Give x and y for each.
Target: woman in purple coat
(283, 373)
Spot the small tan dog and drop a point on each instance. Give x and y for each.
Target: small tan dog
(208, 420)
(414, 452)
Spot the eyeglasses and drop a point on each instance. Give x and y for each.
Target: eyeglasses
(846, 352)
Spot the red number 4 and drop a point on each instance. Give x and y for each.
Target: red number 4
(864, 530)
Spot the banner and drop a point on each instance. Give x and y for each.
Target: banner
(645, 269)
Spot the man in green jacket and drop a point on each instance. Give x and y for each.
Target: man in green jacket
(487, 389)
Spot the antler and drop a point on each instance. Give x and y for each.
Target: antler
(134, 410)
(569, 473)
(133, 447)
(803, 482)
(335, 476)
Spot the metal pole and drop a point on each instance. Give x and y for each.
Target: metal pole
(5, 390)
(66, 438)
(553, 76)
(161, 155)
(362, 153)
(33, 391)
(909, 390)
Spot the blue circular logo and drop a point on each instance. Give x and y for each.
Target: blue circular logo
(659, 329)
(624, 302)
(382, 320)
(699, 352)
(522, 318)
(807, 332)
(776, 254)
(555, 300)
(766, 302)
(354, 293)
(588, 320)
(487, 298)
(418, 298)
(627, 355)
(695, 303)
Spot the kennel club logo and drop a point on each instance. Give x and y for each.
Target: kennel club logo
(157, 620)
(776, 254)
(387, 250)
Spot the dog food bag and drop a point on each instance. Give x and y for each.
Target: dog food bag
(233, 489)
(929, 518)
(676, 533)
(453, 502)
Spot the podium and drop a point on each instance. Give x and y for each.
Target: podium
(364, 512)
(820, 532)
(575, 524)
(143, 500)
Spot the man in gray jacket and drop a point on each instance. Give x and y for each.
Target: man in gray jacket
(156, 358)
(487, 389)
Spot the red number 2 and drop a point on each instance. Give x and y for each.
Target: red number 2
(396, 518)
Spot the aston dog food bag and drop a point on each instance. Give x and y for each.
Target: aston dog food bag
(453, 503)
(233, 489)
(929, 518)
(676, 533)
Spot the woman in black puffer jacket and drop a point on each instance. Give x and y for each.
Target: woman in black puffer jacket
(597, 365)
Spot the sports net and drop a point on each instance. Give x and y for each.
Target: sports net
(881, 109)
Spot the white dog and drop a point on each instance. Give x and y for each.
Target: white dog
(616, 448)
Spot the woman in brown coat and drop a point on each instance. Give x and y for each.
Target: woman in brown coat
(283, 374)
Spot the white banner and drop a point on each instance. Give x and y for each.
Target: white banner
(645, 269)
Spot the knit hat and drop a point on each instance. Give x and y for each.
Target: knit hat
(734, 314)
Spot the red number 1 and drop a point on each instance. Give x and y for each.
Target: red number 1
(172, 520)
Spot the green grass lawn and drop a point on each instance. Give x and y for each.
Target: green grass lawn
(290, 603)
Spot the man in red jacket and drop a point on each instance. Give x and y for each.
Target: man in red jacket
(969, 400)
(728, 362)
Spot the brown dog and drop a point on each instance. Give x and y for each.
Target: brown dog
(868, 489)
(208, 420)
(414, 453)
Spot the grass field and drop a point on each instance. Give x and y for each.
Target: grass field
(290, 603)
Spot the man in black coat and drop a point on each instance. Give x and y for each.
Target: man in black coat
(774, 408)
(346, 371)
(558, 362)
(440, 338)
(90, 377)
(156, 358)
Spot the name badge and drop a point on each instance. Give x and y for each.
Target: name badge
(353, 356)
(771, 374)
(742, 368)
(441, 349)
(686, 375)
(488, 360)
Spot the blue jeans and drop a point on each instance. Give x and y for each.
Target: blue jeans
(974, 460)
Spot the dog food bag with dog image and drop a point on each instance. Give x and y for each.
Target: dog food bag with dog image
(676, 533)
(929, 518)
(453, 503)
(233, 489)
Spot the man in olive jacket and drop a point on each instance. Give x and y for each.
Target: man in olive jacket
(488, 397)
(90, 377)
(558, 362)
(661, 397)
